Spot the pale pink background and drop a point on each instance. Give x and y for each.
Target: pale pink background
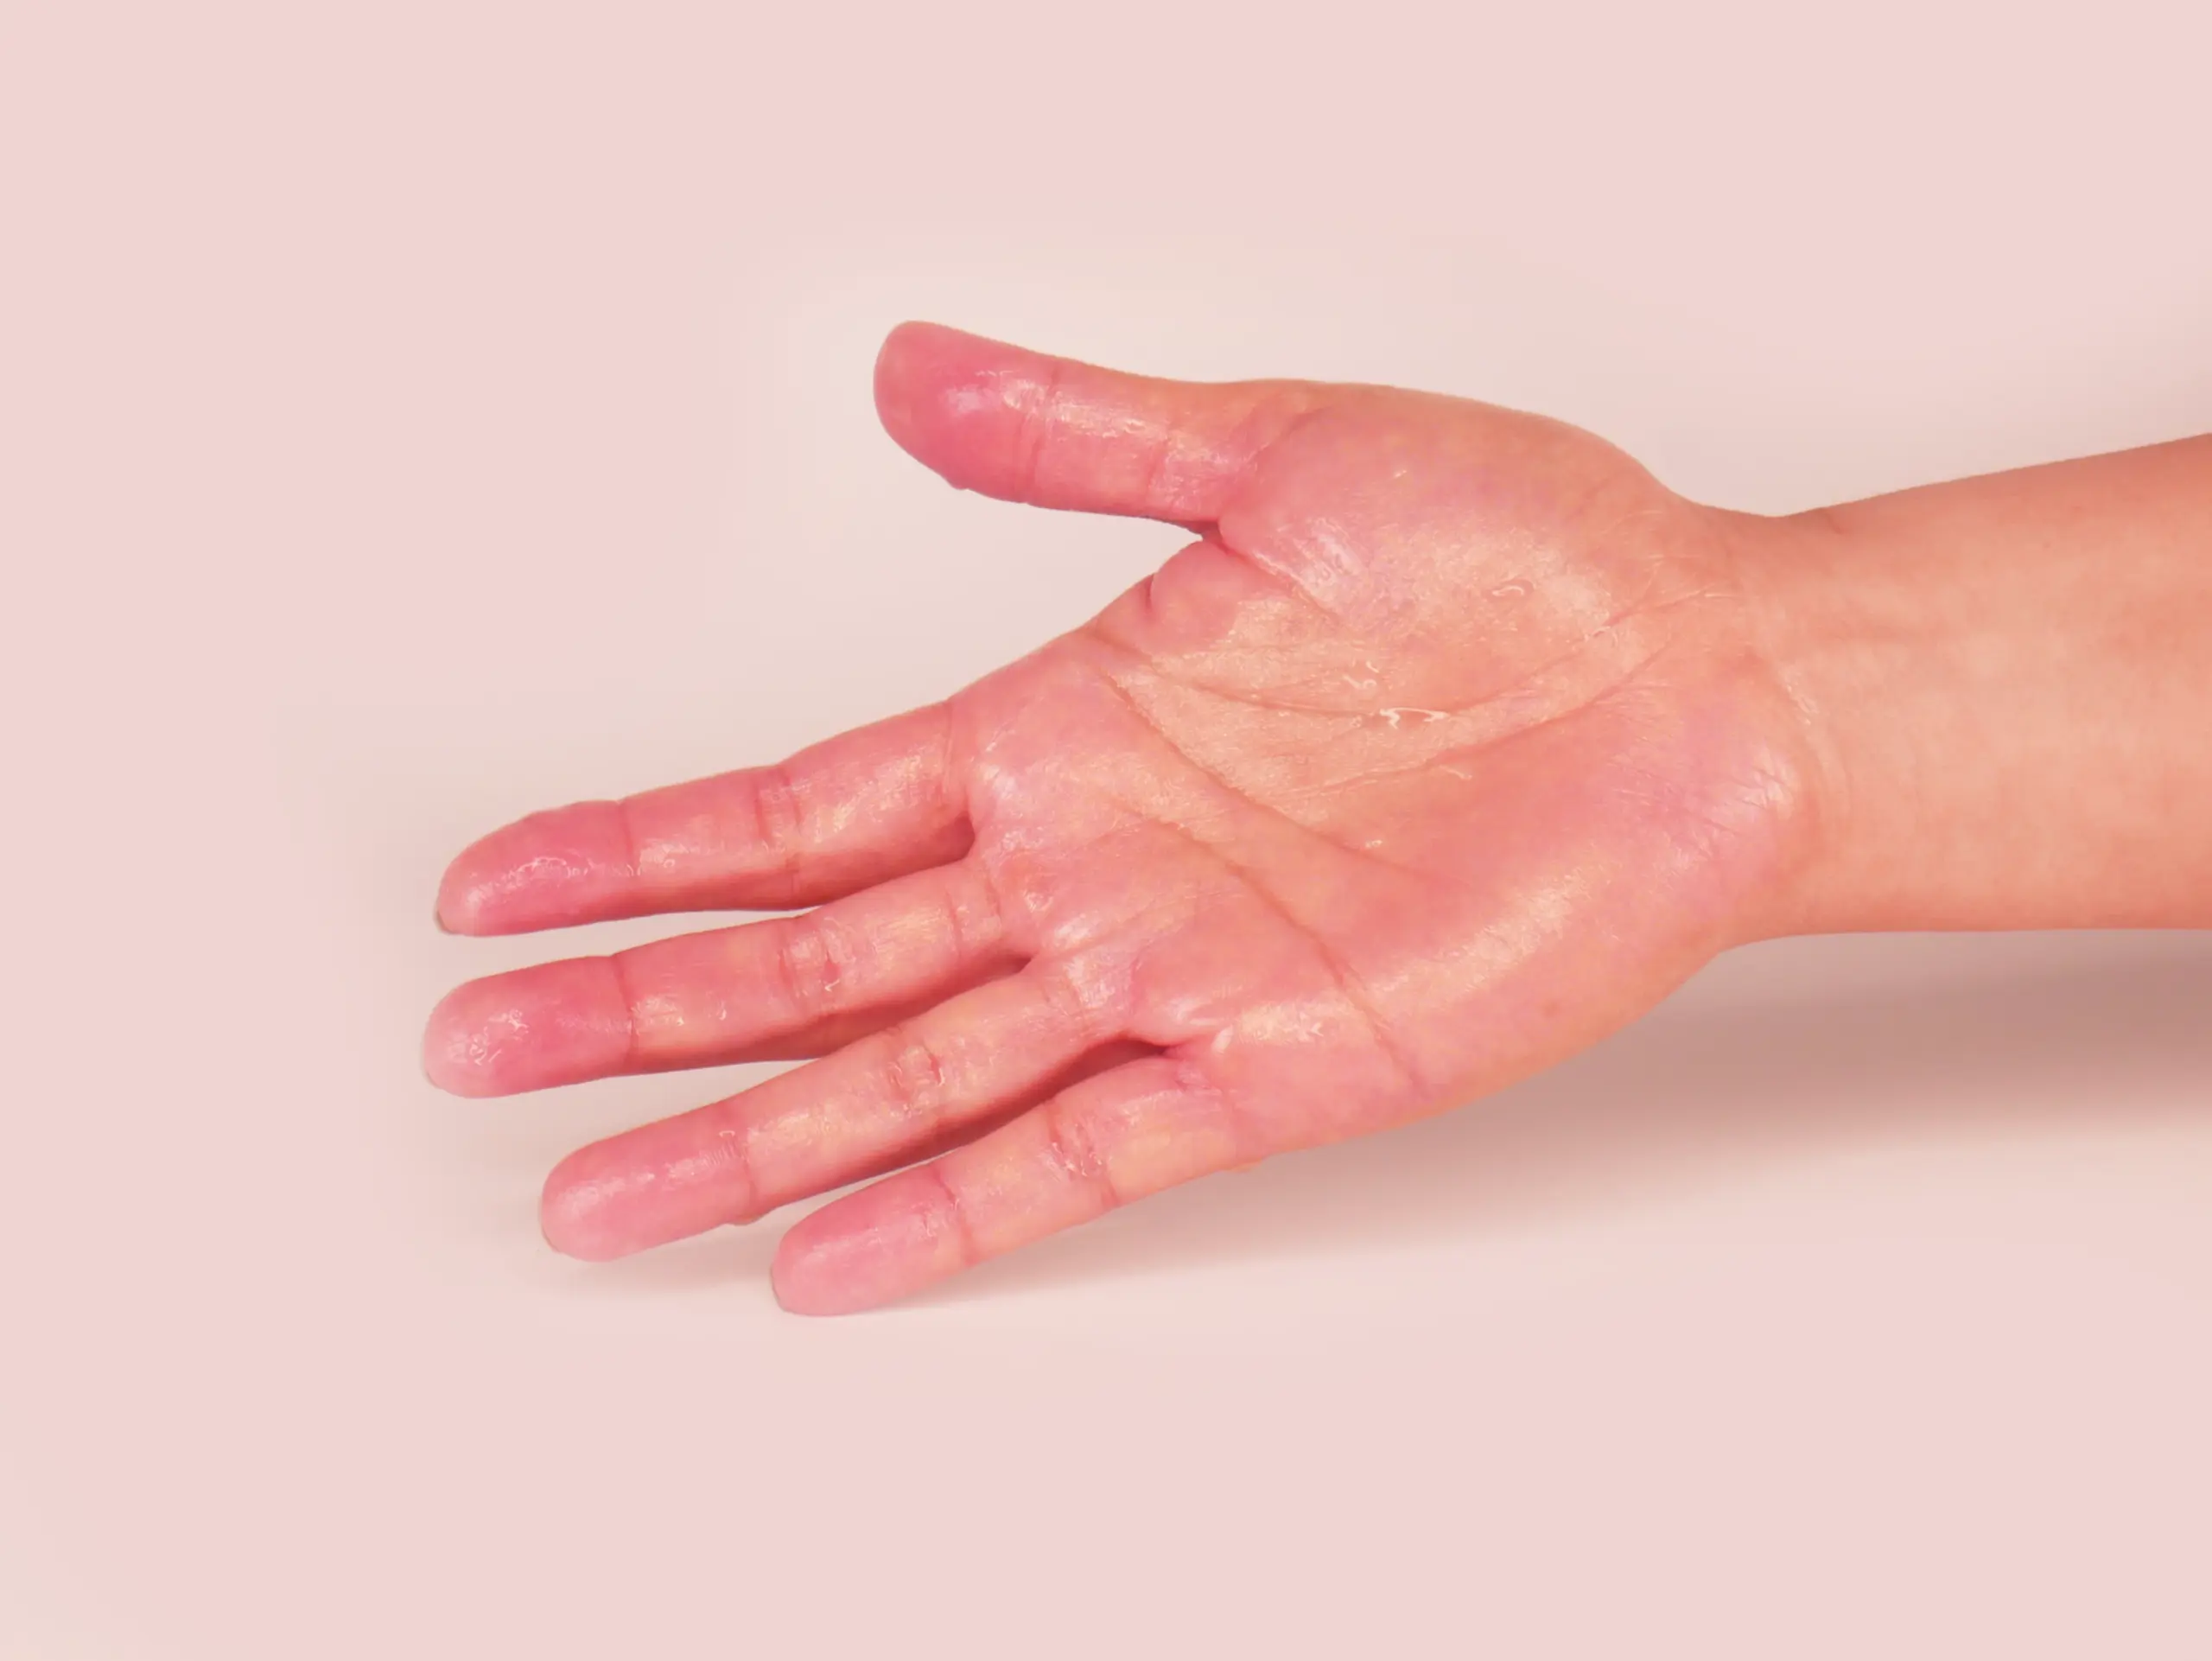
(410, 415)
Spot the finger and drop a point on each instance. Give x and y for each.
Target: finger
(876, 802)
(1055, 433)
(1102, 1060)
(1113, 1138)
(791, 986)
(898, 1091)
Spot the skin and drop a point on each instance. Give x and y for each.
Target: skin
(1452, 741)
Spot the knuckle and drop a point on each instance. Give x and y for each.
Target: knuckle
(1077, 1150)
(1079, 1000)
(776, 816)
(636, 1003)
(974, 921)
(915, 1078)
(1247, 1138)
(738, 1170)
(1033, 441)
(817, 966)
(628, 837)
(954, 1216)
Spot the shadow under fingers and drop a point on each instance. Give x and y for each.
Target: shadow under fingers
(1702, 1092)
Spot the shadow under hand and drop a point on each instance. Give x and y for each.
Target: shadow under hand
(712, 1262)
(1931, 1038)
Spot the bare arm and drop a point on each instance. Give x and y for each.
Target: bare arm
(2008, 685)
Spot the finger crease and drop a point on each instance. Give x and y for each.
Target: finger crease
(634, 848)
(973, 914)
(1075, 1155)
(736, 1142)
(1037, 430)
(626, 988)
(955, 1213)
(775, 823)
(804, 973)
(1194, 1083)
(1065, 1000)
(916, 1074)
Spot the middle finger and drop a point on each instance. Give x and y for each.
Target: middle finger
(791, 986)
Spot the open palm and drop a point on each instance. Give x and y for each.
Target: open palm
(1445, 748)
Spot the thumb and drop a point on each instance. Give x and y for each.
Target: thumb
(1054, 433)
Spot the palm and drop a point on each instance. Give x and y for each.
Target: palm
(1443, 751)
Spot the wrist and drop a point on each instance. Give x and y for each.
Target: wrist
(2001, 689)
(1842, 639)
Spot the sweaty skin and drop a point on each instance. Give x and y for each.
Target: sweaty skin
(1452, 741)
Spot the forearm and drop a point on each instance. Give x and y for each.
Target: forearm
(2007, 688)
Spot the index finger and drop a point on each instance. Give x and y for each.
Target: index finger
(876, 802)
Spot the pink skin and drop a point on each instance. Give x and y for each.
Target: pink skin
(1444, 749)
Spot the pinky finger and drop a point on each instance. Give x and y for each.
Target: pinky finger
(1123, 1133)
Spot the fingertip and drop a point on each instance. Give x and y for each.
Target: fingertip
(902, 373)
(869, 1249)
(947, 397)
(804, 1278)
(459, 902)
(479, 885)
(917, 356)
(645, 1187)
(574, 1213)
(568, 865)
(447, 1059)
(468, 1043)
(558, 1023)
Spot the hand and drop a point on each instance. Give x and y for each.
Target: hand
(1444, 750)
